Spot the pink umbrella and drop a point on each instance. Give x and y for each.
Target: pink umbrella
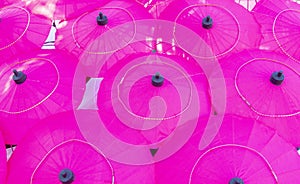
(243, 150)
(248, 4)
(265, 85)
(155, 7)
(77, 34)
(55, 152)
(60, 9)
(279, 22)
(224, 25)
(150, 97)
(2, 160)
(17, 28)
(34, 86)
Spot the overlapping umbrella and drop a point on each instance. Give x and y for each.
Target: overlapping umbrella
(76, 35)
(21, 31)
(150, 97)
(243, 151)
(279, 24)
(55, 152)
(264, 85)
(60, 9)
(224, 25)
(35, 86)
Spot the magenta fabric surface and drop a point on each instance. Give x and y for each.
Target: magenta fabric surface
(47, 149)
(75, 35)
(279, 24)
(17, 28)
(163, 118)
(60, 9)
(250, 92)
(55, 144)
(46, 91)
(233, 28)
(147, 114)
(3, 164)
(242, 148)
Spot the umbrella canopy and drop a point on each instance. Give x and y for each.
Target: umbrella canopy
(34, 86)
(224, 25)
(55, 152)
(150, 97)
(76, 35)
(3, 165)
(279, 23)
(18, 27)
(60, 9)
(243, 149)
(264, 85)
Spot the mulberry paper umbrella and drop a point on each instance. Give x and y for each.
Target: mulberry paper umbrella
(224, 25)
(243, 151)
(60, 9)
(279, 22)
(21, 31)
(54, 151)
(76, 35)
(35, 86)
(264, 85)
(150, 97)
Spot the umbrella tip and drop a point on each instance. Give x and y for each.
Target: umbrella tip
(66, 176)
(19, 77)
(207, 22)
(102, 19)
(157, 80)
(236, 180)
(277, 77)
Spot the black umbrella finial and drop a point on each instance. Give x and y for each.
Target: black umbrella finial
(277, 77)
(19, 77)
(157, 80)
(102, 19)
(236, 180)
(66, 176)
(207, 22)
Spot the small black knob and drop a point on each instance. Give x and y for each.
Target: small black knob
(207, 22)
(19, 77)
(277, 78)
(66, 176)
(236, 181)
(157, 80)
(102, 19)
